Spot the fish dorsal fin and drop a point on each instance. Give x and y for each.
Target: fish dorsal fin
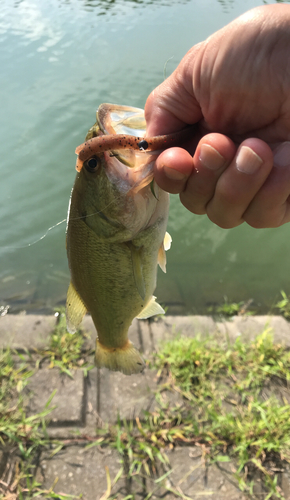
(166, 244)
(75, 309)
(136, 253)
(151, 309)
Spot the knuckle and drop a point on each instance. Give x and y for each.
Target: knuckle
(192, 204)
(222, 221)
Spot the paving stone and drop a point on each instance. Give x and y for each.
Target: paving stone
(248, 327)
(81, 472)
(25, 331)
(167, 327)
(146, 345)
(283, 485)
(190, 474)
(88, 326)
(125, 395)
(70, 397)
(284, 482)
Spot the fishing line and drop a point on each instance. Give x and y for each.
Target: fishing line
(58, 224)
(164, 67)
(36, 241)
(62, 221)
(55, 225)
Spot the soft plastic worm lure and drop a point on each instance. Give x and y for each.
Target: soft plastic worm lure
(103, 143)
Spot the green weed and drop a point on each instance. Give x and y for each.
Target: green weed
(21, 435)
(15, 426)
(283, 305)
(66, 351)
(194, 362)
(230, 309)
(221, 409)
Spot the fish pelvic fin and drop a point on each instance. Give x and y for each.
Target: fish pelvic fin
(126, 359)
(151, 309)
(166, 244)
(75, 309)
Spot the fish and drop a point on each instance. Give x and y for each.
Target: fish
(116, 232)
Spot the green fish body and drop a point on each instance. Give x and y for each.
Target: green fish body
(116, 236)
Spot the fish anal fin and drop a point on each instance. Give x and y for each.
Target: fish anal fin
(126, 359)
(75, 309)
(166, 244)
(136, 254)
(151, 309)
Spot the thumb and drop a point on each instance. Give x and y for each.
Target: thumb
(172, 105)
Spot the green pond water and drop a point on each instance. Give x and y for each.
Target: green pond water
(59, 60)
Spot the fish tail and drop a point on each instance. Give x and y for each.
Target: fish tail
(126, 359)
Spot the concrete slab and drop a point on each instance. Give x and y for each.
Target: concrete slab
(88, 326)
(81, 472)
(25, 331)
(195, 479)
(125, 395)
(80, 403)
(248, 327)
(70, 397)
(167, 327)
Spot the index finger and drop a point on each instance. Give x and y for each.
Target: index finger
(172, 105)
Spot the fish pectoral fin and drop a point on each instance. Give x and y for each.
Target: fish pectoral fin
(167, 241)
(75, 309)
(151, 309)
(136, 253)
(166, 244)
(162, 258)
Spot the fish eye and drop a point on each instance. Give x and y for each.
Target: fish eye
(91, 165)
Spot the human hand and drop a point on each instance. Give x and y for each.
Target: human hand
(236, 87)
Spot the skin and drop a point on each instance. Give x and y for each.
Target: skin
(235, 86)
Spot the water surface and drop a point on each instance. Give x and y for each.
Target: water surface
(59, 60)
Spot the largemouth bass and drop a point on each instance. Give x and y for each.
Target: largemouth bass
(116, 233)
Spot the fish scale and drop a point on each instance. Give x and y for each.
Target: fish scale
(115, 239)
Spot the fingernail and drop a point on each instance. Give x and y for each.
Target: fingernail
(248, 161)
(173, 174)
(282, 155)
(210, 157)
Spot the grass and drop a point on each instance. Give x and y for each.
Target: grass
(229, 405)
(66, 352)
(15, 426)
(21, 435)
(283, 305)
(221, 408)
(229, 309)
(24, 436)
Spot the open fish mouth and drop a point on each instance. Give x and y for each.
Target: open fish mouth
(122, 128)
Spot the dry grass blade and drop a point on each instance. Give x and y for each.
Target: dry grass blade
(106, 495)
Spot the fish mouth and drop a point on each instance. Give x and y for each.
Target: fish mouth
(114, 119)
(122, 128)
(130, 177)
(125, 120)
